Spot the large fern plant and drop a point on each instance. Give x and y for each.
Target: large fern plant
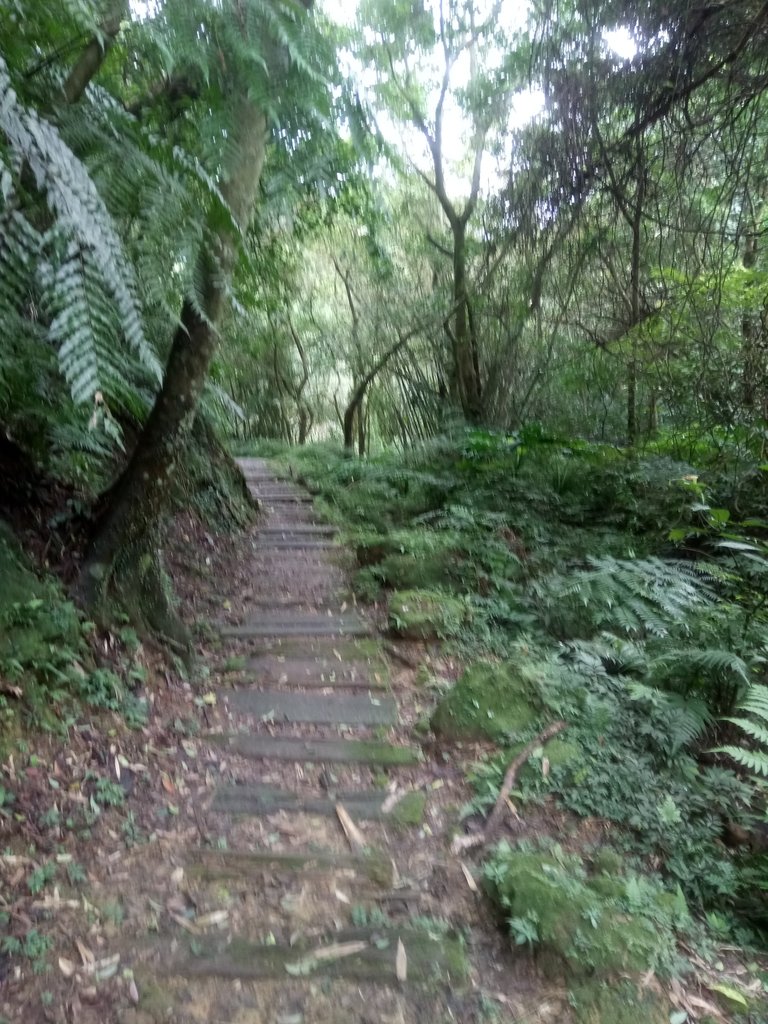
(753, 722)
(61, 257)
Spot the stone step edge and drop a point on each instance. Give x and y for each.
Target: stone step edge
(317, 751)
(429, 958)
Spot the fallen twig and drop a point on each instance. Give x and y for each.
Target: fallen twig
(480, 838)
(354, 836)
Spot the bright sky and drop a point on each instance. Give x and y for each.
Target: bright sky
(525, 106)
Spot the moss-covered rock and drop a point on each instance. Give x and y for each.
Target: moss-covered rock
(41, 636)
(490, 701)
(425, 614)
(593, 923)
(618, 1003)
(406, 571)
(35, 618)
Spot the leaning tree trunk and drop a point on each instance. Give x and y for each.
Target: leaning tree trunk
(123, 561)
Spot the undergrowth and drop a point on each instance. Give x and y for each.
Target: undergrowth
(637, 603)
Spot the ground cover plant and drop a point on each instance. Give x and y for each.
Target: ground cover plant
(606, 592)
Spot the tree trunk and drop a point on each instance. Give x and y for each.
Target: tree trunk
(93, 55)
(361, 429)
(468, 378)
(749, 330)
(122, 561)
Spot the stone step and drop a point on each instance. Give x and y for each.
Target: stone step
(315, 672)
(289, 748)
(288, 543)
(284, 499)
(360, 650)
(298, 529)
(430, 958)
(232, 865)
(368, 805)
(312, 708)
(299, 625)
(301, 601)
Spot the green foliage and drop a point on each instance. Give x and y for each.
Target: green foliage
(636, 650)
(754, 723)
(78, 266)
(598, 922)
(635, 598)
(33, 946)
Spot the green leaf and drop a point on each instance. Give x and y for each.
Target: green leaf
(730, 993)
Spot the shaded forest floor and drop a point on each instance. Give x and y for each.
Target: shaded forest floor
(173, 871)
(104, 835)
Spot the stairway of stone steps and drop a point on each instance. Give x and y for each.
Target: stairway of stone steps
(311, 901)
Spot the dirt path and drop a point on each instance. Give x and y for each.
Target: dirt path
(301, 873)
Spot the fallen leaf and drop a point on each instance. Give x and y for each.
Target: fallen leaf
(106, 968)
(177, 876)
(66, 967)
(85, 954)
(338, 950)
(469, 876)
(167, 782)
(185, 924)
(701, 1004)
(401, 962)
(215, 918)
(133, 992)
(730, 993)
(341, 896)
(395, 875)
(391, 802)
(209, 698)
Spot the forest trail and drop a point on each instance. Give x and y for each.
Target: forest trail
(322, 889)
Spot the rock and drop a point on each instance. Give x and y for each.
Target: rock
(490, 701)
(425, 614)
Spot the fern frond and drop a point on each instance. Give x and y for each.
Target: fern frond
(755, 761)
(708, 660)
(81, 217)
(755, 731)
(756, 701)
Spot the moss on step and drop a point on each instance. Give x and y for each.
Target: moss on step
(234, 866)
(490, 701)
(410, 809)
(425, 614)
(431, 958)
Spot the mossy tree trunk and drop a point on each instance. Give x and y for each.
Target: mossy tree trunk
(123, 560)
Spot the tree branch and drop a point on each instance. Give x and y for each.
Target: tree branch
(94, 55)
